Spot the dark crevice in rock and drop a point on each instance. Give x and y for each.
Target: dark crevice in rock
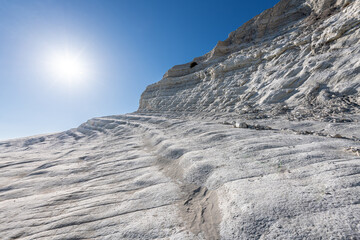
(193, 64)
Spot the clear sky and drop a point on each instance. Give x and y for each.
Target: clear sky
(119, 47)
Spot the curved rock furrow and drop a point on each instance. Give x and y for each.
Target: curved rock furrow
(67, 204)
(316, 158)
(213, 181)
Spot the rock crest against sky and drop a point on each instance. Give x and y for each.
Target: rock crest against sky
(259, 139)
(300, 55)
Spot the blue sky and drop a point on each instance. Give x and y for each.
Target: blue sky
(126, 44)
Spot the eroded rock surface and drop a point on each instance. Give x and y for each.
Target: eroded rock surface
(258, 139)
(146, 177)
(299, 58)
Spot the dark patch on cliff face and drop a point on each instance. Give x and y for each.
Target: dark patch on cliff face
(273, 20)
(314, 18)
(193, 64)
(328, 9)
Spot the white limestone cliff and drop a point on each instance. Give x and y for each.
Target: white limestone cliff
(299, 56)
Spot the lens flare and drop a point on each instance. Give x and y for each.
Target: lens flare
(67, 67)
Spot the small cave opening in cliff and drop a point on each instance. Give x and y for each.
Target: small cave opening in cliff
(193, 64)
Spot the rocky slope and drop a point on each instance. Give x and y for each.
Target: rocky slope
(259, 139)
(300, 57)
(146, 177)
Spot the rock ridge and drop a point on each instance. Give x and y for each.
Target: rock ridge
(297, 56)
(228, 146)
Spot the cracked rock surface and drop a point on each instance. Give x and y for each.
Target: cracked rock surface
(300, 58)
(258, 139)
(147, 177)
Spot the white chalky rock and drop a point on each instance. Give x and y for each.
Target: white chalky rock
(177, 169)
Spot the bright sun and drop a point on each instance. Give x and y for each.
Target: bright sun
(67, 67)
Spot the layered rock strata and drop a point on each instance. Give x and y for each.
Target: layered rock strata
(253, 173)
(300, 58)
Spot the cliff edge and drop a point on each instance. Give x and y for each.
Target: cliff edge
(299, 58)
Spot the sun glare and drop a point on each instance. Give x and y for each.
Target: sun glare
(67, 67)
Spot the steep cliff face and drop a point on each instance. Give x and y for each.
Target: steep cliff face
(296, 58)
